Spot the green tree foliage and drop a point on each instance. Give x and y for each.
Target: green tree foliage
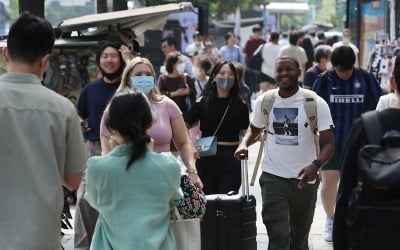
(217, 8)
(14, 9)
(291, 22)
(327, 12)
(55, 12)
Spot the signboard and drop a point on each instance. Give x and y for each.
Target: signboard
(373, 22)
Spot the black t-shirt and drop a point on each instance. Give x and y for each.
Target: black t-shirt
(390, 120)
(236, 119)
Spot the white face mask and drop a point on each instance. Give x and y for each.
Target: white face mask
(196, 72)
(163, 70)
(180, 67)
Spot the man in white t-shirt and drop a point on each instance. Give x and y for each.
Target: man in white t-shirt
(289, 181)
(270, 53)
(347, 42)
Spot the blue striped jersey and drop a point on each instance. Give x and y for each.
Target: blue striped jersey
(347, 99)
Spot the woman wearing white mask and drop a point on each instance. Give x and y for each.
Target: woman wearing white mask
(220, 173)
(201, 67)
(175, 84)
(210, 51)
(169, 125)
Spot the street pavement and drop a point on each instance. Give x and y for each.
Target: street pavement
(316, 241)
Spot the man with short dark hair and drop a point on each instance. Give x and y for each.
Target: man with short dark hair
(389, 120)
(41, 146)
(197, 46)
(253, 42)
(231, 51)
(349, 92)
(168, 45)
(322, 59)
(289, 181)
(92, 101)
(321, 39)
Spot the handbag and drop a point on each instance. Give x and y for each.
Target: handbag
(186, 232)
(207, 146)
(256, 61)
(193, 202)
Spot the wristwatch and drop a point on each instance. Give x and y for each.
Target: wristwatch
(317, 163)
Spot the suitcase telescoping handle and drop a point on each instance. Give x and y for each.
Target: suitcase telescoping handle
(245, 179)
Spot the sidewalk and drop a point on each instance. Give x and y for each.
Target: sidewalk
(316, 241)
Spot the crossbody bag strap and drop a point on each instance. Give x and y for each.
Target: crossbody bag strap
(198, 84)
(222, 119)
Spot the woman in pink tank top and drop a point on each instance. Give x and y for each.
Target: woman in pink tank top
(169, 125)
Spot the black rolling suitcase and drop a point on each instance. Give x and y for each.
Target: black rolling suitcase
(230, 220)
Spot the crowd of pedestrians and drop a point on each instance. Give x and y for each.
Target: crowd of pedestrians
(137, 127)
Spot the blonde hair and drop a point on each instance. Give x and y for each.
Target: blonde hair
(155, 95)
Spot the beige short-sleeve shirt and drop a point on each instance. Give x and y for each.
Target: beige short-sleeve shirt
(41, 142)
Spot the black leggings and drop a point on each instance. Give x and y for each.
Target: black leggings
(220, 173)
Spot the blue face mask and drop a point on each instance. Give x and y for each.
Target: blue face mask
(143, 83)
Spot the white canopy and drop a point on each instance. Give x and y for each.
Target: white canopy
(287, 8)
(139, 20)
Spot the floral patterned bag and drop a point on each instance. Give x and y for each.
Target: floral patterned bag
(193, 202)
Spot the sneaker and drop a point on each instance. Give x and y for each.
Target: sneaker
(328, 229)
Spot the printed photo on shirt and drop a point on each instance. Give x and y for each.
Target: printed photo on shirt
(285, 124)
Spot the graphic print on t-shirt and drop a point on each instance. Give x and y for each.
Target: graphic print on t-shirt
(285, 124)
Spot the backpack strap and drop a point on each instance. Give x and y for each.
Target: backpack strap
(266, 107)
(373, 127)
(324, 79)
(310, 106)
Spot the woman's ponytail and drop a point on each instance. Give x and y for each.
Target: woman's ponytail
(130, 114)
(139, 143)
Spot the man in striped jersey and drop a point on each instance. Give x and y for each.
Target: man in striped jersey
(349, 92)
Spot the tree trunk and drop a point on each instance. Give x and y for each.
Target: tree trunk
(101, 6)
(120, 5)
(34, 7)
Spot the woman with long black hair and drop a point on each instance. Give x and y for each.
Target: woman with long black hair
(220, 104)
